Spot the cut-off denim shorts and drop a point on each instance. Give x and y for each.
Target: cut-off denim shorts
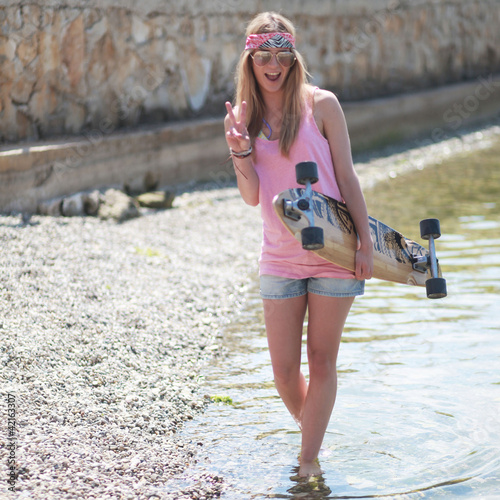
(277, 287)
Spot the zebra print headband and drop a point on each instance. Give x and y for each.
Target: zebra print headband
(270, 40)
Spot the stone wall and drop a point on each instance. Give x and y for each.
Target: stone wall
(78, 67)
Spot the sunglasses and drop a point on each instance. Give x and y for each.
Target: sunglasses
(263, 57)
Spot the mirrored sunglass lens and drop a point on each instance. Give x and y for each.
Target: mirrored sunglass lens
(285, 58)
(262, 58)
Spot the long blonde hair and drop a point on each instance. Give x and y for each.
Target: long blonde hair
(247, 88)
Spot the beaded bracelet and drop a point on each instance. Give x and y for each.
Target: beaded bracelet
(242, 154)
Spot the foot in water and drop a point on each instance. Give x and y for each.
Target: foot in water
(308, 469)
(311, 486)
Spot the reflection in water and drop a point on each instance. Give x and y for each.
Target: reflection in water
(311, 487)
(418, 408)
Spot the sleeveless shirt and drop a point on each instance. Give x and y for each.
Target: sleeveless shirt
(281, 254)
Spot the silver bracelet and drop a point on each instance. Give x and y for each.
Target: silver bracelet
(242, 154)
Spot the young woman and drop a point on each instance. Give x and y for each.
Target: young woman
(278, 121)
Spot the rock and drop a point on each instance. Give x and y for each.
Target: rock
(196, 74)
(23, 87)
(78, 204)
(156, 199)
(72, 205)
(75, 117)
(91, 202)
(25, 218)
(27, 50)
(50, 207)
(73, 51)
(43, 102)
(141, 184)
(118, 206)
(103, 60)
(49, 54)
(141, 31)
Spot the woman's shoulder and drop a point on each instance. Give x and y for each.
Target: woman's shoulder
(323, 97)
(325, 104)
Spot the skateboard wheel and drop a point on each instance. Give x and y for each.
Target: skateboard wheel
(312, 238)
(430, 227)
(436, 288)
(306, 171)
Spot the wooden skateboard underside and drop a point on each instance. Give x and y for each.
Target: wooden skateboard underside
(393, 253)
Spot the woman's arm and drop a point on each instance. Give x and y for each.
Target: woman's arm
(238, 140)
(331, 117)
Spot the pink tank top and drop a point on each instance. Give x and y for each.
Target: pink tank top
(281, 254)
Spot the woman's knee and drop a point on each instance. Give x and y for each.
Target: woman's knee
(286, 374)
(322, 365)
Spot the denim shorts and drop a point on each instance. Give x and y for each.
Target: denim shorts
(276, 287)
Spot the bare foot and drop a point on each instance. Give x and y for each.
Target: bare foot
(308, 469)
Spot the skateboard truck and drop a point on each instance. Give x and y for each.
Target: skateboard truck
(436, 286)
(307, 174)
(421, 263)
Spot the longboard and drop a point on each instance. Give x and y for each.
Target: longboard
(395, 257)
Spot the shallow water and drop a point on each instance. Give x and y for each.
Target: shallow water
(418, 406)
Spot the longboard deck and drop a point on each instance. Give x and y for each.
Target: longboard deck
(393, 253)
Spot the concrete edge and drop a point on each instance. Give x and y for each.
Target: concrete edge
(136, 160)
(432, 115)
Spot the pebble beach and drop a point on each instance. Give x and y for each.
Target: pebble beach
(107, 329)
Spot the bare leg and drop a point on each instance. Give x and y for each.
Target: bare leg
(327, 316)
(284, 322)
(310, 405)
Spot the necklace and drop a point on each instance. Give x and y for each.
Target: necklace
(269, 127)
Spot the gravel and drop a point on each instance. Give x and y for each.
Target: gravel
(107, 330)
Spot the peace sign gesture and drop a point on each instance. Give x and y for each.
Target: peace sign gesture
(236, 130)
